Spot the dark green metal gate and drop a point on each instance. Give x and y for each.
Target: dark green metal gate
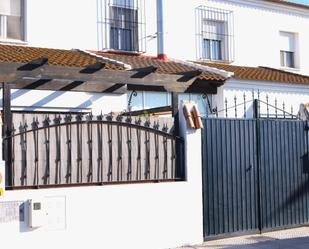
(255, 175)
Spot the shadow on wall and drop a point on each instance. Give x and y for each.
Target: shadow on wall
(51, 97)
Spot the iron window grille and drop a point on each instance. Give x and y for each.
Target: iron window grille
(121, 25)
(214, 34)
(12, 20)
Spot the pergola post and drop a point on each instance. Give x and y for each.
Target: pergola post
(175, 112)
(179, 160)
(7, 131)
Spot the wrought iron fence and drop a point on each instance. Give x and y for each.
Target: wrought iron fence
(66, 149)
(253, 107)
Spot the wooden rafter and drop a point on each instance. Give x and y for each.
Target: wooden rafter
(91, 81)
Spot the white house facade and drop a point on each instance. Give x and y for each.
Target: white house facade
(228, 32)
(80, 169)
(234, 30)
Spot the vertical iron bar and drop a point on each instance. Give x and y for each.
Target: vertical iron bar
(119, 150)
(292, 116)
(256, 113)
(139, 142)
(46, 124)
(57, 122)
(245, 107)
(79, 135)
(147, 151)
(23, 143)
(276, 109)
(173, 166)
(258, 104)
(283, 108)
(156, 140)
(235, 103)
(267, 105)
(100, 148)
(6, 132)
(110, 150)
(89, 142)
(35, 132)
(129, 148)
(68, 128)
(165, 171)
(13, 155)
(226, 110)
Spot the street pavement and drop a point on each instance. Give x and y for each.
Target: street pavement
(297, 238)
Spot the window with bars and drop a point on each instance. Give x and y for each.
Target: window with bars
(215, 34)
(121, 25)
(11, 19)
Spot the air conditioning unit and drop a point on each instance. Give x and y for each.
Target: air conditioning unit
(36, 213)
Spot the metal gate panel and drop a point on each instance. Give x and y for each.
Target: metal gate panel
(284, 180)
(229, 176)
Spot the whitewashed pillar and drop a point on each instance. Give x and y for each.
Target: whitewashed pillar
(193, 170)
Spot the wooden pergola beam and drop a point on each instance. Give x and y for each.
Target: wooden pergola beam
(33, 64)
(9, 73)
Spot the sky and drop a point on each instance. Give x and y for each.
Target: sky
(300, 1)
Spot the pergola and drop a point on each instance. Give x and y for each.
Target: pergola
(100, 76)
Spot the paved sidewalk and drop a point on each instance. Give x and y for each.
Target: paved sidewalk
(297, 238)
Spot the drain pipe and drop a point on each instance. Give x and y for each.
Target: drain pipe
(160, 31)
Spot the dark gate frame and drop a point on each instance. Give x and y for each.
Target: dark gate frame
(278, 146)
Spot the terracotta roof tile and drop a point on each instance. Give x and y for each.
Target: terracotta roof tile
(260, 73)
(288, 3)
(58, 57)
(164, 67)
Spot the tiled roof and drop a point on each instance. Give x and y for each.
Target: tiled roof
(58, 57)
(163, 67)
(260, 73)
(288, 3)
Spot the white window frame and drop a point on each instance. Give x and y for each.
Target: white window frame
(4, 27)
(213, 38)
(121, 26)
(288, 48)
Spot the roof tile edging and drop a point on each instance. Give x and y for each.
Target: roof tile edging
(204, 68)
(118, 63)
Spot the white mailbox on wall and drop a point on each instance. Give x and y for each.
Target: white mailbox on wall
(37, 213)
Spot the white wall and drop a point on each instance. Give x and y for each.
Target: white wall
(137, 216)
(73, 24)
(67, 101)
(256, 31)
(292, 95)
(62, 24)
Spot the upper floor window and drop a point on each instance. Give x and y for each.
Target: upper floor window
(11, 19)
(287, 49)
(214, 34)
(121, 25)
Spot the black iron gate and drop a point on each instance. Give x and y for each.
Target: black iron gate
(255, 175)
